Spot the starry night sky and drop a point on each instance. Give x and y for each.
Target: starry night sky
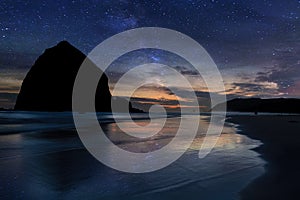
(255, 44)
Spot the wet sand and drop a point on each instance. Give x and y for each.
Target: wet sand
(41, 157)
(280, 136)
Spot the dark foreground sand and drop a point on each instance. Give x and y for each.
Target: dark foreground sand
(281, 149)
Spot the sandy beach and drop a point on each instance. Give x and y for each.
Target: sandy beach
(281, 147)
(256, 157)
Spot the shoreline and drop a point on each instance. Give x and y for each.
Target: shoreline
(280, 149)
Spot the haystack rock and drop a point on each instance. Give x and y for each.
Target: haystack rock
(48, 85)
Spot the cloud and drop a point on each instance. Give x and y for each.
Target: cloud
(186, 70)
(154, 101)
(178, 94)
(285, 71)
(261, 89)
(10, 84)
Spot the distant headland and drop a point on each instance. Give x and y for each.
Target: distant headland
(256, 105)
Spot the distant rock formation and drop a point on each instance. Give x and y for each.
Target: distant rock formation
(256, 105)
(48, 86)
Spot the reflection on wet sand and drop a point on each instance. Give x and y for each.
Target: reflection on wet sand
(54, 164)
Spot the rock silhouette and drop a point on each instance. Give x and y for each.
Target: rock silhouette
(256, 105)
(48, 85)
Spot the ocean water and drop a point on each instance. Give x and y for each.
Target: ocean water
(41, 156)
